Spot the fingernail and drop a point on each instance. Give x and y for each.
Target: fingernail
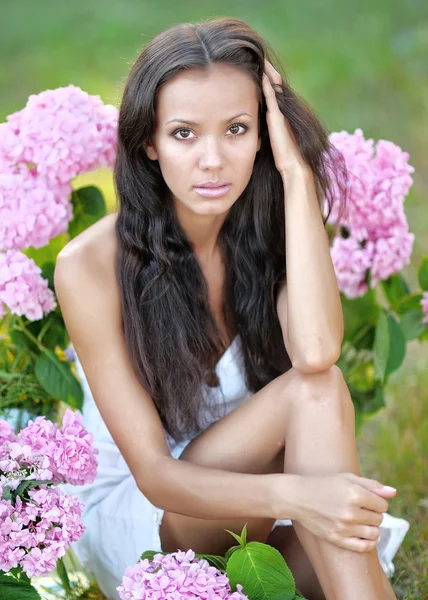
(388, 488)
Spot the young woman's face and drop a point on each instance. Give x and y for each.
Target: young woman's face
(220, 143)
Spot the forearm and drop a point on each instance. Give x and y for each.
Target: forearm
(314, 311)
(183, 487)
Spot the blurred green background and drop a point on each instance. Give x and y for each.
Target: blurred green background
(358, 64)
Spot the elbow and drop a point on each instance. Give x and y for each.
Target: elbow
(151, 482)
(316, 362)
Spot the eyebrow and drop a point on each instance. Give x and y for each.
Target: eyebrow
(178, 119)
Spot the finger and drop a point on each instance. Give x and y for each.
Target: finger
(361, 546)
(371, 484)
(271, 101)
(365, 532)
(372, 501)
(368, 517)
(272, 73)
(355, 544)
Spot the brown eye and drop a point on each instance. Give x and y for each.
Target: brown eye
(236, 127)
(180, 131)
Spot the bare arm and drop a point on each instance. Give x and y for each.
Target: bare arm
(309, 306)
(89, 299)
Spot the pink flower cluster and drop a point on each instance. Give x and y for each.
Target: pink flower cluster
(36, 530)
(377, 238)
(176, 576)
(58, 135)
(22, 288)
(424, 303)
(63, 455)
(33, 535)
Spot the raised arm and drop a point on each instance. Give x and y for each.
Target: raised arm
(88, 294)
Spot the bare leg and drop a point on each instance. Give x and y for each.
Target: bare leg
(285, 540)
(322, 440)
(315, 415)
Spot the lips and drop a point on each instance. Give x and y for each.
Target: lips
(215, 191)
(212, 184)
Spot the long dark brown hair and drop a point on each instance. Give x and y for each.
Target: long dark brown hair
(171, 335)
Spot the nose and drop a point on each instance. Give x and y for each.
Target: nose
(211, 154)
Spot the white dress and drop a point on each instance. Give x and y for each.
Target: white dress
(121, 522)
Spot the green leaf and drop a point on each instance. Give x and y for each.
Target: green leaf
(423, 337)
(56, 378)
(244, 534)
(411, 324)
(11, 589)
(368, 403)
(88, 208)
(26, 485)
(229, 552)
(395, 287)
(381, 346)
(7, 493)
(19, 339)
(364, 339)
(150, 554)
(262, 572)
(397, 346)
(49, 252)
(219, 562)
(361, 376)
(48, 269)
(408, 303)
(423, 274)
(359, 312)
(237, 537)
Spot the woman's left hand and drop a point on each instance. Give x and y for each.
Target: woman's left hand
(286, 152)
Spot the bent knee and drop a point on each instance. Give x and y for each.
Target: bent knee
(327, 387)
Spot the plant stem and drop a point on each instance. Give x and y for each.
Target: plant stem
(63, 575)
(30, 336)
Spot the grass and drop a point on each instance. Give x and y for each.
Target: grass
(393, 449)
(359, 65)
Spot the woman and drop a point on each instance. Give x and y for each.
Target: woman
(207, 321)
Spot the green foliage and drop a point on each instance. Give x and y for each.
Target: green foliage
(262, 572)
(16, 589)
(88, 207)
(260, 569)
(35, 376)
(57, 379)
(423, 274)
(22, 490)
(375, 341)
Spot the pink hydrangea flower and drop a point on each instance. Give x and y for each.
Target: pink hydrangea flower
(7, 433)
(58, 135)
(63, 132)
(376, 237)
(176, 576)
(33, 535)
(69, 449)
(351, 262)
(424, 303)
(33, 211)
(22, 289)
(42, 451)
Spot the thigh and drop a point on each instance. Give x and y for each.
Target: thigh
(250, 439)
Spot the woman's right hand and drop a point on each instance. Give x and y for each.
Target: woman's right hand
(344, 509)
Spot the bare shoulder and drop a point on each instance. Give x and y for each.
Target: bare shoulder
(95, 248)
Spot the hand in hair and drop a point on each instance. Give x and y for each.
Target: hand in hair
(285, 149)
